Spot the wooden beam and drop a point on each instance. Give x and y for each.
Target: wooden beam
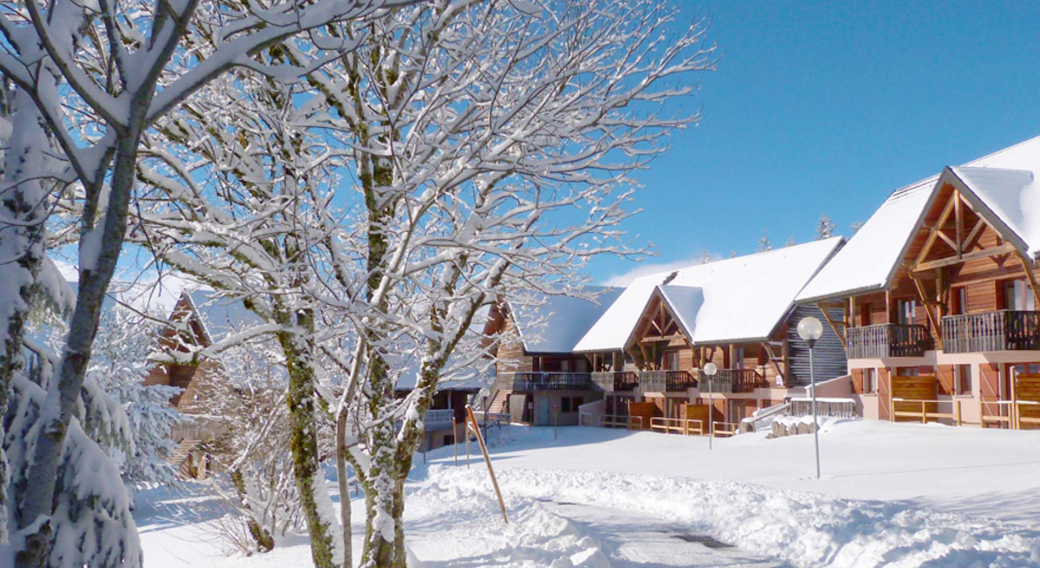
(975, 231)
(949, 242)
(959, 216)
(658, 338)
(1006, 248)
(927, 309)
(834, 326)
(935, 231)
(1028, 267)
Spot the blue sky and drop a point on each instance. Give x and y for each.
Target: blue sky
(829, 106)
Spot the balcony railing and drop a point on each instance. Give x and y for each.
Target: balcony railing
(611, 381)
(735, 381)
(666, 381)
(439, 419)
(526, 381)
(888, 340)
(1003, 330)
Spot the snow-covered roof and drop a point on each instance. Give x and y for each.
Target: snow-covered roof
(555, 324)
(873, 254)
(221, 316)
(742, 298)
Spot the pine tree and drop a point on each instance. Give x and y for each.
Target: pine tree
(790, 241)
(705, 257)
(856, 226)
(825, 228)
(763, 244)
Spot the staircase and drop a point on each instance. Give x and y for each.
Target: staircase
(500, 404)
(181, 459)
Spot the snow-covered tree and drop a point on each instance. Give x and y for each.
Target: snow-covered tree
(119, 364)
(855, 226)
(790, 241)
(476, 133)
(89, 81)
(763, 243)
(705, 257)
(825, 228)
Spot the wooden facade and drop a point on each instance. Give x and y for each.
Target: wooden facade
(953, 328)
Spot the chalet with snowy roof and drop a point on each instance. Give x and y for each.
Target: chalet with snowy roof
(938, 297)
(635, 356)
(540, 378)
(648, 349)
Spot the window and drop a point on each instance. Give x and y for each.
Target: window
(738, 357)
(565, 366)
(571, 403)
(906, 311)
(908, 371)
(864, 314)
(869, 380)
(959, 301)
(670, 361)
(962, 379)
(1018, 296)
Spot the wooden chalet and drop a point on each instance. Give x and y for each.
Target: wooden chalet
(648, 349)
(539, 378)
(938, 301)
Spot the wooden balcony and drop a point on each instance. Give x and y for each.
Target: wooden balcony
(1003, 330)
(729, 381)
(666, 381)
(888, 340)
(527, 381)
(619, 381)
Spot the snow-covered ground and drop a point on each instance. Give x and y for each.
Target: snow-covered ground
(891, 495)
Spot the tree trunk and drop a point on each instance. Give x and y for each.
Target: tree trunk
(96, 270)
(303, 444)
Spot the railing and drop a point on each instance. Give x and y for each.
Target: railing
(621, 421)
(685, 426)
(439, 419)
(835, 407)
(928, 410)
(888, 340)
(1003, 330)
(725, 428)
(666, 381)
(527, 381)
(1012, 416)
(736, 381)
(750, 424)
(611, 381)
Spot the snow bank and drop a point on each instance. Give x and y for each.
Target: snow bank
(801, 528)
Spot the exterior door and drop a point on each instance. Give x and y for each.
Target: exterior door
(542, 412)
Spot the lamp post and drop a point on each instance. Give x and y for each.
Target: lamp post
(710, 369)
(810, 329)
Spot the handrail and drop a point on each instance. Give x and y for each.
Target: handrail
(532, 381)
(681, 425)
(887, 340)
(924, 414)
(764, 414)
(999, 330)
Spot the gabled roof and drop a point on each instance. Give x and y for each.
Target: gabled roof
(554, 324)
(739, 299)
(997, 182)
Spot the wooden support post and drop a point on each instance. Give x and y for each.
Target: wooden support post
(467, 442)
(957, 410)
(928, 310)
(487, 459)
(1013, 417)
(455, 436)
(1028, 267)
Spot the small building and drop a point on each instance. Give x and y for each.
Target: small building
(540, 379)
(938, 300)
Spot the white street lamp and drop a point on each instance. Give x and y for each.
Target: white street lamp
(710, 369)
(810, 329)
